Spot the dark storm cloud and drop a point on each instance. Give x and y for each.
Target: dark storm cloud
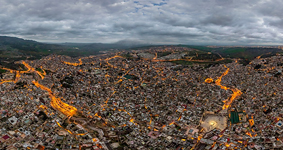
(151, 21)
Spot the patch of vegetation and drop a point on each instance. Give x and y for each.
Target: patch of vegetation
(65, 124)
(244, 62)
(161, 54)
(42, 116)
(202, 48)
(13, 66)
(230, 51)
(28, 73)
(3, 71)
(48, 72)
(225, 61)
(40, 70)
(20, 85)
(257, 66)
(206, 56)
(67, 82)
(128, 56)
(248, 52)
(122, 145)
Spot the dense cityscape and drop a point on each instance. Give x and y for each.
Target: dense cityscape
(142, 99)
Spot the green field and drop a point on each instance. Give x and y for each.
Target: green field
(182, 62)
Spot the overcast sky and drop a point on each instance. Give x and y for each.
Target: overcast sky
(211, 22)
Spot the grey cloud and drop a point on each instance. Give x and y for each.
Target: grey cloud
(130, 26)
(152, 21)
(168, 34)
(221, 20)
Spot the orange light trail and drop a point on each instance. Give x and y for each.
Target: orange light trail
(18, 73)
(64, 128)
(107, 59)
(208, 80)
(249, 134)
(74, 64)
(31, 69)
(236, 92)
(218, 81)
(155, 56)
(56, 103)
(150, 122)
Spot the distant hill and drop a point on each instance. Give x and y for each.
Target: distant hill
(16, 48)
(9, 43)
(123, 44)
(12, 48)
(247, 52)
